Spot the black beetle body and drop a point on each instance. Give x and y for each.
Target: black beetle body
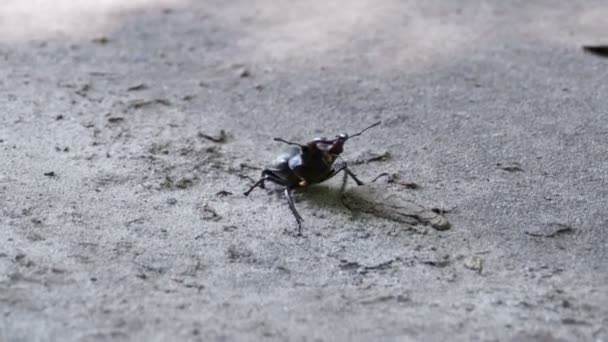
(281, 168)
(303, 165)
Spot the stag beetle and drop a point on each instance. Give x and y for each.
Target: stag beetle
(303, 165)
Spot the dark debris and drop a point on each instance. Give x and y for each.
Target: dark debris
(101, 40)
(137, 104)
(238, 253)
(597, 50)
(551, 230)
(209, 214)
(116, 119)
(220, 139)
(247, 166)
(141, 86)
(362, 269)
(83, 90)
(510, 167)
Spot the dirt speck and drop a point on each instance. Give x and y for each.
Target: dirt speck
(219, 138)
(101, 40)
(510, 166)
(137, 87)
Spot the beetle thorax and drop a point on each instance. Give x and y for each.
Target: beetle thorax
(337, 148)
(332, 147)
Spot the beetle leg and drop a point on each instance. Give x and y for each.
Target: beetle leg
(259, 183)
(347, 173)
(266, 176)
(344, 181)
(352, 175)
(293, 209)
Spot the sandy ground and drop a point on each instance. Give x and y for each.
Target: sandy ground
(121, 221)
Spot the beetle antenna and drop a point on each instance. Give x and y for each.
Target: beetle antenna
(287, 142)
(365, 129)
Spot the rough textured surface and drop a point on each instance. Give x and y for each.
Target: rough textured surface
(122, 220)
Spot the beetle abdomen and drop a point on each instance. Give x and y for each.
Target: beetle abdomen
(281, 162)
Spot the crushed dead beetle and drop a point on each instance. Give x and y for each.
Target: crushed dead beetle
(379, 201)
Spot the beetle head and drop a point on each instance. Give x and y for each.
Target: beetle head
(337, 146)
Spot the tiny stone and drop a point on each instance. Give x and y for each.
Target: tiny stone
(474, 263)
(244, 72)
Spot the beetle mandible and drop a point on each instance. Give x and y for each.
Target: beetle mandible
(303, 165)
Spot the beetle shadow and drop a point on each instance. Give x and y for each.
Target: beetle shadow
(324, 196)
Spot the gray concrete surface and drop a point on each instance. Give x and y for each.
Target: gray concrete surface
(490, 107)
